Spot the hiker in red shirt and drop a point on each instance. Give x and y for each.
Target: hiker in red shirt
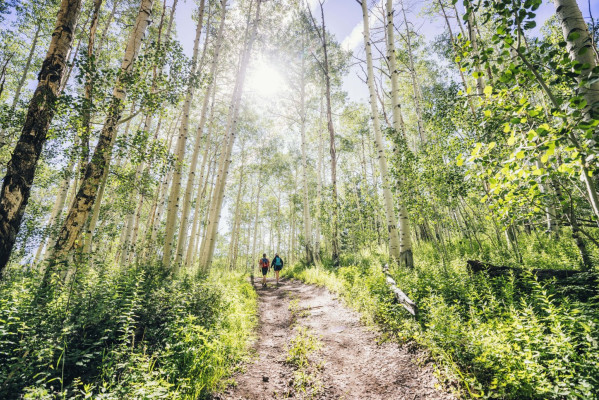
(265, 265)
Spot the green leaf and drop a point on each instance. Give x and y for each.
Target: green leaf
(544, 158)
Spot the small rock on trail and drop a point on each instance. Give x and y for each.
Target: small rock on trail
(351, 363)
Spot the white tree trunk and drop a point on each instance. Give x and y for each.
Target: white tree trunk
(387, 196)
(23, 79)
(415, 83)
(319, 175)
(173, 198)
(580, 49)
(236, 219)
(207, 249)
(307, 220)
(405, 237)
(196, 150)
(100, 161)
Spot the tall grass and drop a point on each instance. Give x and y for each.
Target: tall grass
(495, 338)
(119, 334)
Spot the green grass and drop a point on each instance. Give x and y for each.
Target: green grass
(123, 334)
(495, 338)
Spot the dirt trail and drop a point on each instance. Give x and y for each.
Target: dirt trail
(349, 364)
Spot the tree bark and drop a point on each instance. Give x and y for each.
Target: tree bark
(196, 150)
(387, 197)
(332, 149)
(100, 160)
(580, 46)
(405, 237)
(23, 79)
(237, 217)
(307, 219)
(173, 198)
(319, 185)
(459, 64)
(207, 248)
(88, 100)
(207, 159)
(16, 186)
(415, 83)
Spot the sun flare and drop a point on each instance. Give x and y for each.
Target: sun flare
(265, 80)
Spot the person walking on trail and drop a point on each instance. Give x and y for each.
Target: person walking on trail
(277, 263)
(265, 265)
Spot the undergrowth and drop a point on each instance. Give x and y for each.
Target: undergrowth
(302, 356)
(130, 333)
(505, 337)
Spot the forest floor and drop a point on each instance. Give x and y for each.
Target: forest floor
(310, 346)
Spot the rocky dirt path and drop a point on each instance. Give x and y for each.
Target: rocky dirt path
(343, 358)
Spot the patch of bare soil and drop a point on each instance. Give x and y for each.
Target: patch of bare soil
(350, 363)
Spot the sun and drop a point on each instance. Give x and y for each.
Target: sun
(265, 80)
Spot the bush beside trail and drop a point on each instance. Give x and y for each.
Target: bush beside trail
(493, 337)
(123, 334)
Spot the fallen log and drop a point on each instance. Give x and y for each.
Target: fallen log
(500, 270)
(401, 297)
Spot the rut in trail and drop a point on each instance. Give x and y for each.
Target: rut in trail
(349, 362)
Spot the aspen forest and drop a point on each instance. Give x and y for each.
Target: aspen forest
(427, 171)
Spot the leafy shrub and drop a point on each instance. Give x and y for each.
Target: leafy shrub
(122, 334)
(497, 337)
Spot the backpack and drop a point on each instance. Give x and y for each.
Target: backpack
(264, 263)
(277, 261)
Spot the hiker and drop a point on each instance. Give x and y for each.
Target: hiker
(277, 263)
(265, 265)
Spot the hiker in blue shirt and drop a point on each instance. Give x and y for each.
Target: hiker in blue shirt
(277, 263)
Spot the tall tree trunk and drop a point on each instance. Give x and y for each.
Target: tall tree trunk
(455, 49)
(204, 224)
(207, 159)
(55, 213)
(173, 198)
(480, 81)
(88, 101)
(161, 194)
(208, 244)
(196, 150)
(307, 220)
(254, 251)
(579, 45)
(16, 186)
(405, 238)
(550, 213)
(387, 196)
(413, 76)
(319, 185)
(322, 33)
(102, 41)
(100, 160)
(202, 185)
(23, 79)
(333, 153)
(237, 216)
